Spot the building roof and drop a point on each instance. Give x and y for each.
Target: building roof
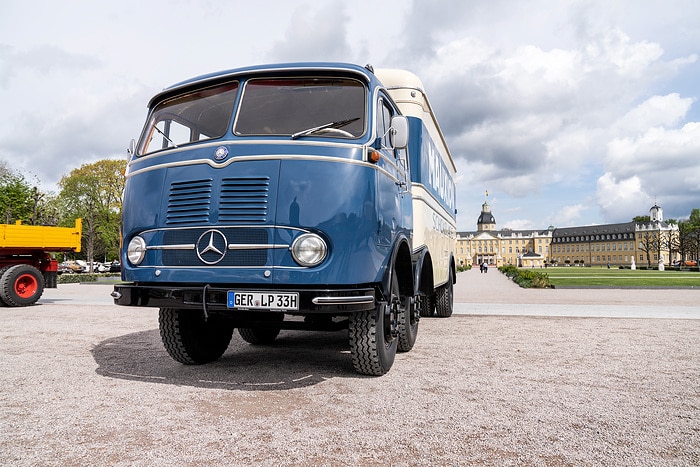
(627, 227)
(486, 218)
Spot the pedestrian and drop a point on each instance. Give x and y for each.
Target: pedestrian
(486, 267)
(481, 268)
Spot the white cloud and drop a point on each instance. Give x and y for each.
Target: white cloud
(571, 215)
(621, 200)
(664, 111)
(520, 224)
(315, 35)
(664, 163)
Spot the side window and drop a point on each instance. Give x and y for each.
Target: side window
(386, 111)
(384, 121)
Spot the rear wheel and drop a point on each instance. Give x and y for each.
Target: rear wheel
(192, 340)
(408, 323)
(374, 337)
(2, 271)
(21, 285)
(426, 306)
(262, 335)
(445, 298)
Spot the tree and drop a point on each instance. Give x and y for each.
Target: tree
(648, 243)
(20, 201)
(94, 192)
(641, 219)
(693, 234)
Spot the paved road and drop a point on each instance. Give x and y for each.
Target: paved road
(494, 294)
(85, 382)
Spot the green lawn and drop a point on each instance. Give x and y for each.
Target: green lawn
(595, 276)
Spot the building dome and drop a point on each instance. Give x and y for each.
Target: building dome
(486, 220)
(656, 214)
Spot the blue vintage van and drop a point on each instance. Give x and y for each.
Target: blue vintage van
(290, 196)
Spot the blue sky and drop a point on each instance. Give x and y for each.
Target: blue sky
(567, 112)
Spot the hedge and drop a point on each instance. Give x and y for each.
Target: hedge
(526, 278)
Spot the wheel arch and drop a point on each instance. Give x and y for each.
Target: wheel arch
(400, 262)
(423, 272)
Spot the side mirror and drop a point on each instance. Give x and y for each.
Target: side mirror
(398, 134)
(131, 150)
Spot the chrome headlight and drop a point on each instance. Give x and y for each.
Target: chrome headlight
(309, 250)
(136, 250)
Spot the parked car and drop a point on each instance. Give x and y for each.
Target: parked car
(65, 268)
(686, 263)
(101, 267)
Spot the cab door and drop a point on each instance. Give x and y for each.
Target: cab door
(393, 196)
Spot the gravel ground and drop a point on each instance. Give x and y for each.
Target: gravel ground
(85, 382)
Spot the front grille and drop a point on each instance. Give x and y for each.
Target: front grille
(188, 202)
(244, 200)
(239, 236)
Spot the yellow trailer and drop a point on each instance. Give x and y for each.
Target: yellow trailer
(26, 266)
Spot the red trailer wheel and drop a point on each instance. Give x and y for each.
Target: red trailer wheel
(21, 285)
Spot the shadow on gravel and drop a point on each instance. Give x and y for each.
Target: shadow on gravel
(296, 359)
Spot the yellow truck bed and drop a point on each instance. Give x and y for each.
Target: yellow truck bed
(36, 237)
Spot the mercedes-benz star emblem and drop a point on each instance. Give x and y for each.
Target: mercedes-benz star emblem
(211, 246)
(221, 153)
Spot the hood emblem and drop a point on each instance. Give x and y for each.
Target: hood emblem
(220, 153)
(211, 246)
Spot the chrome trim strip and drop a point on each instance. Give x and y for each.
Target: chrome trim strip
(343, 300)
(215, 165)
(255, 246)
(185, 246)
(247, 142)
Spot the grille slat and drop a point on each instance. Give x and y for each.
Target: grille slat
(189, 202)
(244, 199)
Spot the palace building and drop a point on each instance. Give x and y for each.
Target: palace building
(648, 244)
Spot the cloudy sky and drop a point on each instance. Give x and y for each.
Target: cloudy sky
(569, 112)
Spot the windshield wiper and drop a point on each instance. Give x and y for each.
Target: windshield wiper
(165, 136)
(337, 124)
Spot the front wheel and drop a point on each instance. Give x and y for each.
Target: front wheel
(374, 335)
(21, 285)
(192, 340)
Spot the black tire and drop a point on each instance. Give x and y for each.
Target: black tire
(373, 345)
(407, 322)
(2, 271)
(258, 336)
(445, 299)
(262, 335)
(427, 305)
(191, 340)
(21, 285)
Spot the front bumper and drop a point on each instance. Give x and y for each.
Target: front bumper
(214, 298)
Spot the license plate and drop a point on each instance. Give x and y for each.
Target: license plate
(263, 300)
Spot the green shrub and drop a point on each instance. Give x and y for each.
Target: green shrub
(526, 278)
(83, 277)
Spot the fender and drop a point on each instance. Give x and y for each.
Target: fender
(421, 259)
(400, 260)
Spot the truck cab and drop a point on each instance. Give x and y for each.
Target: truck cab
(275, 197)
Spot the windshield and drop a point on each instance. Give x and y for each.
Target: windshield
(302, 107)
(196, 116)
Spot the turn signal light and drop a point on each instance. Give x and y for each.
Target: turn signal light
(374, 156)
